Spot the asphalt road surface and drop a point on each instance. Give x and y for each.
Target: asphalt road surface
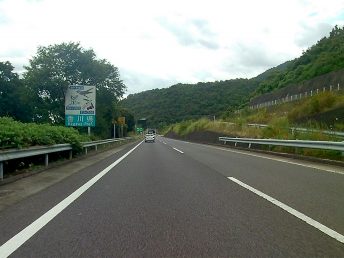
(177, 199)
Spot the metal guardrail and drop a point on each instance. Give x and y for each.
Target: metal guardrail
(95, 144)
(45, 150)
(341, 134)
(325, 145)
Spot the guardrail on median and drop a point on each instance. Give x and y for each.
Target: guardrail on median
(325, 145)
(340, 134)
(45, 150)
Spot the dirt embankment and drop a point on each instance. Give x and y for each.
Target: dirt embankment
(329, 118)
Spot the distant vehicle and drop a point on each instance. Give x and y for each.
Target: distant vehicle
(151, 131)
(149, 137)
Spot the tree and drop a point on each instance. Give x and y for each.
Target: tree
(57, 66)
(12, 93)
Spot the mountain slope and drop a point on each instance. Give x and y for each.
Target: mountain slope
(188, 101)
(324, 57)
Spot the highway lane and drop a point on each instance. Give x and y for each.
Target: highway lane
(168, 200)
(315, 192)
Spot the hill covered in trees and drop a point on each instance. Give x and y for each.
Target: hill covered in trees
(191, 101)
(324, 57)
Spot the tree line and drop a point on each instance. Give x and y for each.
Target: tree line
(39, 94)
(181, 102)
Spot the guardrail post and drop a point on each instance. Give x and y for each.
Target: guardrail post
(85, 150)
(70, 154)
(249, 145)
(46, 160)
(1, 171)
(235, 144)
(96, 147)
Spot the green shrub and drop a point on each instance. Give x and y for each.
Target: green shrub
(278, 128)
(15, 134)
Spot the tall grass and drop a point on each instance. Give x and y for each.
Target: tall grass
(316, 104)
(280, 119)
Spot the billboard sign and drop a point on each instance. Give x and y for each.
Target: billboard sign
(80, 106)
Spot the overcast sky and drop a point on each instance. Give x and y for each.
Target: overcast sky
(159, 43)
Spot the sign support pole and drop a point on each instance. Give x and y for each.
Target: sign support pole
(89, 131)
(114, 130)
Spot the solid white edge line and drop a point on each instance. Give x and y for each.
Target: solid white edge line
(305, 218)
(269, 158)
(178, 150)
(15, 242)
(284, 161)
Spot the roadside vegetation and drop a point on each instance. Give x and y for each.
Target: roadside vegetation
(39, 94)
(14, 134)
(280, 119)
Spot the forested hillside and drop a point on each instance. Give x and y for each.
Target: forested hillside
(189, 101)
(324, 57)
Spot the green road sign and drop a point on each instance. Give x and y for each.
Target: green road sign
(139, 129)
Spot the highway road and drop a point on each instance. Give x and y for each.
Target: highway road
(178, 199)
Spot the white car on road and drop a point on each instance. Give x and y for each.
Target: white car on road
(149, 137)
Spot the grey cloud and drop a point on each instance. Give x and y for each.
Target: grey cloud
(255, 55)
(13, 53)
(35, 1)
(250, 60)
(204, 76)
(186, 36)
(3, 18)
(209, 44)
(137, 82)
(311, 34)
(203, 27)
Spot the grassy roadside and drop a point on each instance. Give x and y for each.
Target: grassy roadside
(279, 120)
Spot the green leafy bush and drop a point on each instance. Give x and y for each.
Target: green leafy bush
(278, 128)
(15, 134)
